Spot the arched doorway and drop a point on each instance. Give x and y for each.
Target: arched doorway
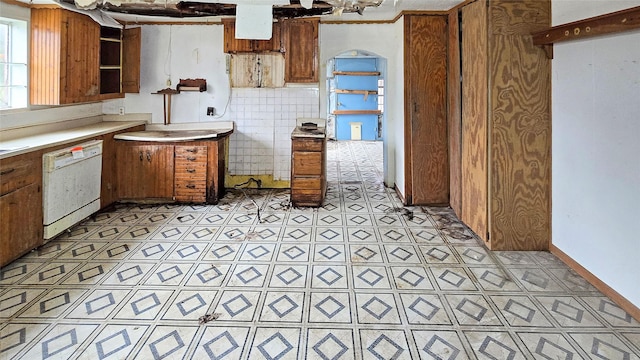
(355, 91)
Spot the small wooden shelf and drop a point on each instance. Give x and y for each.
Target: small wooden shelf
(362, 92)
(615, 22)
(357, 73)
(110, 39)
(356, 112)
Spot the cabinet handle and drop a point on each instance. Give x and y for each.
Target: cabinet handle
(191, 158)
(148, 156)
(140, 155)
(8, 171)
(191, 171)
(190, 186)
(194, 150)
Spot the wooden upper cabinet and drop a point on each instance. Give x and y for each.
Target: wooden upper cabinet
(300, 45)
(64, 57)
(233, 45)
(74, 60)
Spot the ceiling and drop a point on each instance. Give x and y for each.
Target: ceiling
(205, 10)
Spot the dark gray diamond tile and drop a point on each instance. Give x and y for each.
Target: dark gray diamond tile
(330, 344)
(384, 344)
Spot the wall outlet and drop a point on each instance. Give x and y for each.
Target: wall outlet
(121, 110)
(211, 111)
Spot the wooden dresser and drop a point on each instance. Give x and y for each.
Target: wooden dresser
(308, 167)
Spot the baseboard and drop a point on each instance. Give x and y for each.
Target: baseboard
(625, 304)
(395, 187)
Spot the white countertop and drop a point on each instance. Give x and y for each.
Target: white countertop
(34, 142)
(180, 132)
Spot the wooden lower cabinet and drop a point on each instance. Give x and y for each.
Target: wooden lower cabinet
(145, 171)
(21, 226)
(308, 171)
(180, 171)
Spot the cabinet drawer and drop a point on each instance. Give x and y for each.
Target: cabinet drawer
(189, 170)
(308, 145)
(307, 163)
(19, 171)
(309, 183)
(190, 191)
(190, 154)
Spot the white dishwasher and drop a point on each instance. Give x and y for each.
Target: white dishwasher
(71, 185)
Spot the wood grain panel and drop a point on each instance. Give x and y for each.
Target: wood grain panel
(109, 184)
(428, 153)
(80, 79)
(520, 135)
(454, 114)
(18, 230)
(300, 40)
(474, 118)
(519, 17)
(45, 56)
(131, 41)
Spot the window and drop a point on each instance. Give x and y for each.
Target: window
(13, 64)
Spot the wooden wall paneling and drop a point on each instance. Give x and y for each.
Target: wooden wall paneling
(454, 114)
(474, 118)
(520, 128)
(427, 62)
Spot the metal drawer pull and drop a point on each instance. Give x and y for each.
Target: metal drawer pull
(148, 156)
(8, 171)
(191, 158)
(194, 150)
(191, 171)
(140, 155)
(191, 186)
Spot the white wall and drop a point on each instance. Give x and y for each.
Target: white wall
(596, 148)
(384, 40)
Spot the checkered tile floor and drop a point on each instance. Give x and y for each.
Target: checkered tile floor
(359, 278)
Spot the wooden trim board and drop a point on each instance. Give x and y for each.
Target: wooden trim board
(625, 304)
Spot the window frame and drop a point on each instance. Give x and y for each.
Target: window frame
(14, 70)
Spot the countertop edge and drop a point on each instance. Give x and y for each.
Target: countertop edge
(298, 133)
(212, 137)
(62, 137)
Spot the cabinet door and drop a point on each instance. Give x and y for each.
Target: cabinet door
(131, 40)
(145, 171)
(80, 49)
(300, 39)
(231, 44)
(21, 226)
(427, 170)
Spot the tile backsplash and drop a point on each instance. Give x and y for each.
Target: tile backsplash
(265, 117)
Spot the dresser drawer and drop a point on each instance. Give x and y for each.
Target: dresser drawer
(19, 171)
(310, 183)
(307, 163)
(307, 145)
(190, 154)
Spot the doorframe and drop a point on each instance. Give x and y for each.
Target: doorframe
(382, 68)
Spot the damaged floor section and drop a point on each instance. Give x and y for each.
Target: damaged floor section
(360, 278)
